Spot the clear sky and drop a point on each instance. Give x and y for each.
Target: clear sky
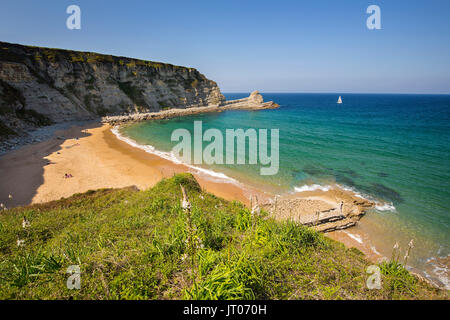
(272, 46)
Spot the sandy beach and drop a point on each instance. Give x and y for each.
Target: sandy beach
(95, 158)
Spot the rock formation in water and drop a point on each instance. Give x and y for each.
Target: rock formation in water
(253, 102)
(40, 86)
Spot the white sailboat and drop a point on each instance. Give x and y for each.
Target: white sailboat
(339, 100)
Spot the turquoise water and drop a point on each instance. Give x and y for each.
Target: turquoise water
(394, 149)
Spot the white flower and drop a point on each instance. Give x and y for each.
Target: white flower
(256, 209)
(20, 243)
(185, 204)
(10, 196)
(25, 223)
(411, 244)
(395, 246)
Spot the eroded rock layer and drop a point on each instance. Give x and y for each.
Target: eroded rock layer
(40, 86)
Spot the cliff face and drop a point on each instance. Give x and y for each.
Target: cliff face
(40, 86)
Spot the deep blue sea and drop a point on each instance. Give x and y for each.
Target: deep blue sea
(394, 149)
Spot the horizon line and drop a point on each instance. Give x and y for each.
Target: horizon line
(342, 93)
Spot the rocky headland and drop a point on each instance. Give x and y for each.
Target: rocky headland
(41, 88)
(253, 102)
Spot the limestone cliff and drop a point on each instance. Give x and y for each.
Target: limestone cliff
(39, 86)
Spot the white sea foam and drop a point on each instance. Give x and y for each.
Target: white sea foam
(312, 187)
(356, 193)
(375, 250)
(384, 206)
(171, 157)
(441, 271)
(380, 206)
(354, 236)
(442, 275)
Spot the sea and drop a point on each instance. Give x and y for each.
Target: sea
(393, 149)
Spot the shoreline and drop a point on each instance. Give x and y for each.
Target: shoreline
(35, 173)
(96, 159)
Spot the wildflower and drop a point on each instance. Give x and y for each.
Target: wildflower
(20, 243)
(25, 223)
(10, 196)
(2, 205)
(255, 208)
(410, 246)
(395, 253)
(185, 204)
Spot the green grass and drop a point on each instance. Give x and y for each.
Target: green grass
(134, 244)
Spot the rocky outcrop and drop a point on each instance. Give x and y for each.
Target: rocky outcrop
(254, 102)
(319, 214)
(255, 98)
(40, 86)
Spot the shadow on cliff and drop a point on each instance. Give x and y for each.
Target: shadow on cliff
(22, 171)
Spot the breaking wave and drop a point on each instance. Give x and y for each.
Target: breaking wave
(379, 205)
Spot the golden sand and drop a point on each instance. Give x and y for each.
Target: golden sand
(95, 159)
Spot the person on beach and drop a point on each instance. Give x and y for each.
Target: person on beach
(341, 206)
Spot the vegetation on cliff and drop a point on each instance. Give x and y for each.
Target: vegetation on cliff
(134, 244)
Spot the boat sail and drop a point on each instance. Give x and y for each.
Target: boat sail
(339, 100)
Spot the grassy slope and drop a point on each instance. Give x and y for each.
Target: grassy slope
(132, 245)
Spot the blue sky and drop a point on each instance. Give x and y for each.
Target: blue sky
(272, 46)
